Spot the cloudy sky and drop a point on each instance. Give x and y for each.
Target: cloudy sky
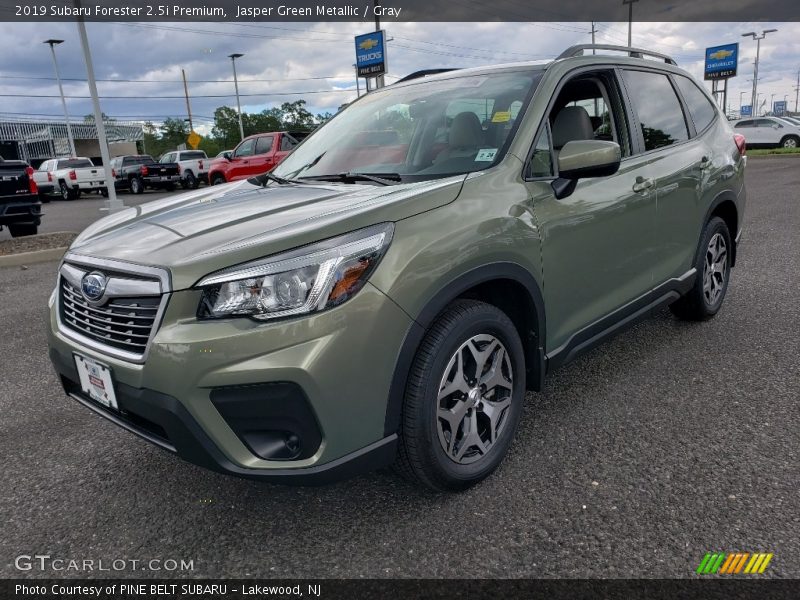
(140, 64)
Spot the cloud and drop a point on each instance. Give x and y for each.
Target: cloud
(314, 60)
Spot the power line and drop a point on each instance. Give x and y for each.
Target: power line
(301, 93)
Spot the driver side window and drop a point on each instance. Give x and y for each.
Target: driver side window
(246, 148)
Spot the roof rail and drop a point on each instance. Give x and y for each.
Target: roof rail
(580, 49)
(424, 73)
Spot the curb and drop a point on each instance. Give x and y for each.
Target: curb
(29, 258)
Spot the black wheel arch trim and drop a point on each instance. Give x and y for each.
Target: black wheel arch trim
(722, 197)
(449, 292)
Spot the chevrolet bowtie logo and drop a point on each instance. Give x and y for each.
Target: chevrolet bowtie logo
(368, 44)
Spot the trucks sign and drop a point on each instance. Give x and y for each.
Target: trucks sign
(721, 61)
(371, 54)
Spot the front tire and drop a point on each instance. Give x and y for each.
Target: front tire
(463, 398)
(713, 266)
(217, 179)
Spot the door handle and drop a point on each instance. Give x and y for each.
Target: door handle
(642, 184)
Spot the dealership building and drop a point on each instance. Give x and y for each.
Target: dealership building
(35, 141)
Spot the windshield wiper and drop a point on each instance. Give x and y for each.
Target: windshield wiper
(264, 178)
(380, 178)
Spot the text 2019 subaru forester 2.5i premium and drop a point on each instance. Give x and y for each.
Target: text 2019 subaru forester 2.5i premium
(391, 290)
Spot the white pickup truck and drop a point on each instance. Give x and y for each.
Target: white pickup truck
(69, 177)
(192, 165)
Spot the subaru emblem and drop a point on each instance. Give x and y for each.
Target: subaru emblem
(93, 285)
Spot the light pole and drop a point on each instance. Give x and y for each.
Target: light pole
(772, 103)
(53, 44)
(630, 20)
(233, 58)
(756, 109)
(758, 39)
(741, 95)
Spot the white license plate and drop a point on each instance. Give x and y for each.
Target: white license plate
(96, 381)
(166, 178)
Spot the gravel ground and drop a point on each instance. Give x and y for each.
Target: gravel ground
(671, 440)
(43, 241)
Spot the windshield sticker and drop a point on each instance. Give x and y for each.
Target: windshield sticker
(501, 116)
(486, 155)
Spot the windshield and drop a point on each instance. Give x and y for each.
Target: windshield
(419, 131)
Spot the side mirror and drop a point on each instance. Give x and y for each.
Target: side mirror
(582, 159)
(227, 156)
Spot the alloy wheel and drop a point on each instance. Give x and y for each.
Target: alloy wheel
(716, 269)
(474, 398)
(790, 143)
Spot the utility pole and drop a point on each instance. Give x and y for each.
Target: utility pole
(797, 91)
(630, 20)
(379, 81)
(358, 84)
(188, 106)
(593, 31)
(233, 58)
(114, 204)
(758, 39)
(53, 44)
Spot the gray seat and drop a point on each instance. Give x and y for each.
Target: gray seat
(465, 137)
(572, 123)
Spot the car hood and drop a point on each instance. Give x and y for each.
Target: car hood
(199, 232)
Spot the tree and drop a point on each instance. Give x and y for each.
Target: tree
(174, 132)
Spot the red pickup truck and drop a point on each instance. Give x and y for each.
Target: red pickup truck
(254, 155)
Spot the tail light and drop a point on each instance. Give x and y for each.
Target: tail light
(32, 187)
(143, 170)
(114, 173)
(73, 175)
(740, 143)
(200, 165)
(49, 177)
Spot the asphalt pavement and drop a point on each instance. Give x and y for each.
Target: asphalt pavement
(670, 441)
(76, 215)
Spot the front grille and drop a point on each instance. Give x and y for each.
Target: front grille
(122, 323)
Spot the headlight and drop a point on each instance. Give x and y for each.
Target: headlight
(297, 282)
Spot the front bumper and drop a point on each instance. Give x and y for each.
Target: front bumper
(341, 360)
(21, 209)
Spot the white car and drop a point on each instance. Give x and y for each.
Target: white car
(70, 177)
(192, 166)
(769, 132)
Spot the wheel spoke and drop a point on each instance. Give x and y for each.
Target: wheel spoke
(494, 411)
(494, 377)
(458, 383)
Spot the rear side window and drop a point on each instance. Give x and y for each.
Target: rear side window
(742, 124)
(264, 144)
(700, 107)
(193, 155)
(658, 108)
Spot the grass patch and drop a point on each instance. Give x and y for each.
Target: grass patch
(771, 151)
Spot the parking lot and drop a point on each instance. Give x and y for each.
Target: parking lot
(672, 440)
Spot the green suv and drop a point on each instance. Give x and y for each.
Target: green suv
(391, 290)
